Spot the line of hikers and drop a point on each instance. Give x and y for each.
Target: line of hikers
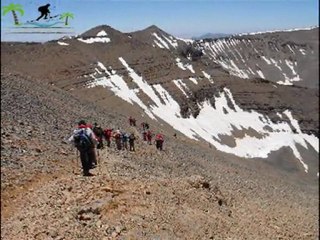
(86, 138)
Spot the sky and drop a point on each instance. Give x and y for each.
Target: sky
(181, 18)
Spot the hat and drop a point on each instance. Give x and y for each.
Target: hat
(82, 122)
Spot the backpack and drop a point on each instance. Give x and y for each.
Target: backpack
(159, 137)
(82, 141)
(125, 137)
(98, 131)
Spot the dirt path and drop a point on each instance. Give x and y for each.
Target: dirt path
(116, 204)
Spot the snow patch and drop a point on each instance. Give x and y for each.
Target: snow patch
(63, 43)
(102, 33)
(260, 74)
(158, 44)
(95, 40)
(184, 66)
(172, 41)
(185, 40)
(117, 85)
(181, 85)
(274, 31)
(193, 80)
(161, 40)
(303, 52)
(180, 64)
(266, 60)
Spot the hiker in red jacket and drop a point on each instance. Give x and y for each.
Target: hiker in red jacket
(108, 134)
(149, 137)
(159, 141)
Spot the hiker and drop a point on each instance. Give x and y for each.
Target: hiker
(94, 157)
(143, 126)
(159, 141)
(149, 137)
(144, 135)
(134, 121)
(146, 125)
(117, 137)
(99, 134)
(132, 138)
(44, 10)
(108, 134)
(125, 138)
(84, 140)
(130, 121)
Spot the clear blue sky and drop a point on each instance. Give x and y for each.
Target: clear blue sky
(181, 18)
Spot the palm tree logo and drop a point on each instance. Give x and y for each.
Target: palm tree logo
(13, 8)
(66, 15)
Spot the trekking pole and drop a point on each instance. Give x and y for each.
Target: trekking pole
(77, 152)
(99, 162)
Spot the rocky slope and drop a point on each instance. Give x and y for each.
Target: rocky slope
(189, 191)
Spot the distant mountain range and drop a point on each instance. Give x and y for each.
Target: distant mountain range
(211, 35)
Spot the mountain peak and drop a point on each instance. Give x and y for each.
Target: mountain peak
(101, 29)
(153, 27)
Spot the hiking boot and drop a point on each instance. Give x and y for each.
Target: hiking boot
(93, 166)
(88, 174)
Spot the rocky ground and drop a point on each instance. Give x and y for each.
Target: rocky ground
(188, 191)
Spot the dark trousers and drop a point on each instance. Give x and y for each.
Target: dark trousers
(85, 161)
(118, 143)
(108, 141)
(100, 144)
(131, 146)
(92, 156)
(125, 145)
(159, 144)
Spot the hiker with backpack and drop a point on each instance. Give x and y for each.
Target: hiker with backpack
(125, 138)
(149, 137)
(132, 138)
(144, 135)
(99, 134)
(134, 122)
(107, 135)
(84, 140)
(117, 137)
(159, 141)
